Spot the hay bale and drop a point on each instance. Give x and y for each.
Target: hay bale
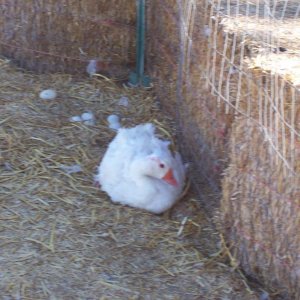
(260, 204)
(162, 36)
(180, 83)
(234, 91)
(260, 208)
(50, 36)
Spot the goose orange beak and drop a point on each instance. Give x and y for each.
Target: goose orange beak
(169, 178)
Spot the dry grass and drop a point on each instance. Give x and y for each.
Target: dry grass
(60, 237)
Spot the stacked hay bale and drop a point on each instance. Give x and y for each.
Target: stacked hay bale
(261, 197)
(235, 94)
(51, 36)
(178, 66)
(260, 208)
(162, 50)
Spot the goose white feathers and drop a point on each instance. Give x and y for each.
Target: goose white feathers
(139, 170)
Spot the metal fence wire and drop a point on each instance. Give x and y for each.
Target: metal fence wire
(271, 30)
(242, 37)
(230, 71)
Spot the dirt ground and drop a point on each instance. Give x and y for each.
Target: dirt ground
(62, 238)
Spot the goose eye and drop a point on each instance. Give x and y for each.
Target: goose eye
(161, 166)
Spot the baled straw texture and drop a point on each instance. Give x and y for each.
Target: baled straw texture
(51, 36)
(230, 73)
(260, 209)
(260, 204)
(177, 49)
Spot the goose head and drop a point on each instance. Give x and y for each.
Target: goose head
(154, 166)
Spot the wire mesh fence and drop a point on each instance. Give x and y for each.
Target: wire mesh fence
(230, 72)
(268, 28)
(251, 66)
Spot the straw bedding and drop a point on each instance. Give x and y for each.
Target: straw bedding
(60, 237)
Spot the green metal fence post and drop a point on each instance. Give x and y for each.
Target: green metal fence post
(138, 78)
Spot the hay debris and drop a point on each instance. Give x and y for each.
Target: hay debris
(60, 237)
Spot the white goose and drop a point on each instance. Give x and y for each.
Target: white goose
(139, 170)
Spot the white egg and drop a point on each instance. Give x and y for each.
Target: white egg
(48, 94)
(87, 116)
(75, 119)
(113, 119)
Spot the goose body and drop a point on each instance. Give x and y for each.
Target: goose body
(139, 170)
